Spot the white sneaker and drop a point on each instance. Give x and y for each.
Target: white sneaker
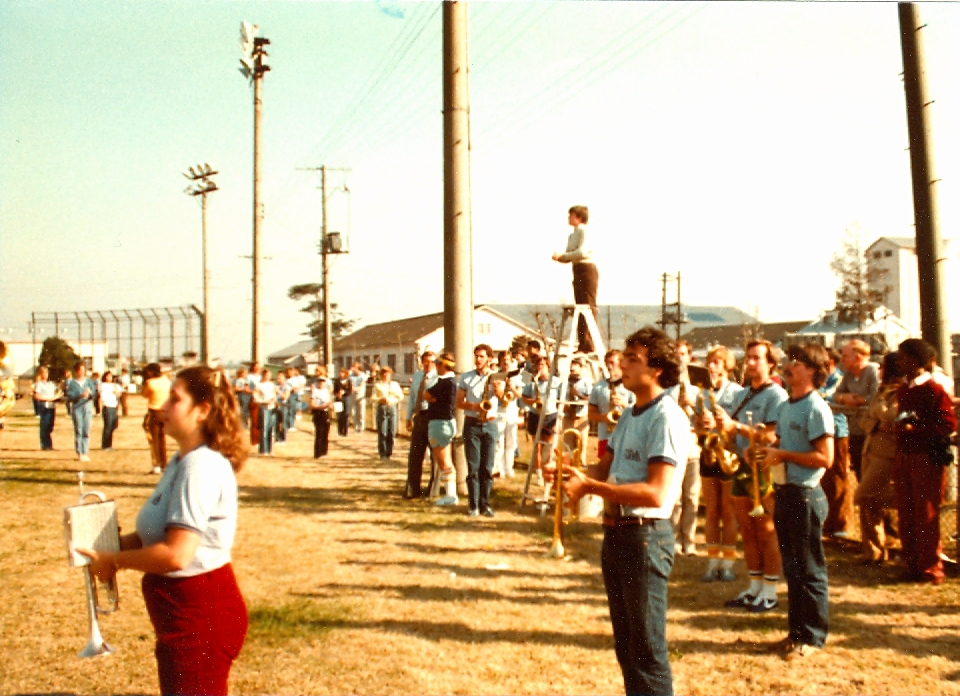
(539, 478)
(157, 470)
(84, 458)
(447, 500)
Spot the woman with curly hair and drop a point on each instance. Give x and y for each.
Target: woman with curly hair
(184, 535)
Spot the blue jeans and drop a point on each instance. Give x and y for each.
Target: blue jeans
(480, 448)
(293, 408)
(47, 418)
(280, 423)
(267, 423)
(636, 561)
(109, 425)
(82, 416)
(244, 399)
(798, 516)
(386, 429)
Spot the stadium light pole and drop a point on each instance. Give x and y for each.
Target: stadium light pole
(253, 68)
(201, 184)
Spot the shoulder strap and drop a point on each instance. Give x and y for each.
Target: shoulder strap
(753, 393)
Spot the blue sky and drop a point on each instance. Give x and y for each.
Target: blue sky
(704, 137)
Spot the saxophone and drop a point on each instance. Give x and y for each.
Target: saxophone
(715, 444)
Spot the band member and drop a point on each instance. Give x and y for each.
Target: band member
(715, 484)
(804, 449)
(761, 399)
(638, 479)
(321, 403)
(585, 276)
(283, 405)
(387, 394)
(577, 388)
(541, 396)
(265, 397)
(125, 393)
(479, 431)
(608, 400)
(358, 397)
(418, 423)
(8, 388)
(80, 393)
(442, 425)
(45, 393)
(253, 379)
(924, 423)
(241, 388)
(342, 389)
(507, 390)
(685, 515)
(183, 539)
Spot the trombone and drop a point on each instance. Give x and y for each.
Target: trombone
(576, 461)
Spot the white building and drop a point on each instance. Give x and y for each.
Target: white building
(896, 258)
(22, 356)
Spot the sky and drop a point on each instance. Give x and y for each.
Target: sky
(732, 142)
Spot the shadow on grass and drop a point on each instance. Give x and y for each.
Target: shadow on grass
(474, 572)
(72, 482)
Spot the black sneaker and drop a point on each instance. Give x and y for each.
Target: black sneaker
(473, 512)
(740, 601)
(762, 605)
(488, 512)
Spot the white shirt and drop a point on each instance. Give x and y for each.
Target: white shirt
(109, 392)
(265, 393)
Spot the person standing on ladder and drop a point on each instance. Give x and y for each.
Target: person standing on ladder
(585, 275)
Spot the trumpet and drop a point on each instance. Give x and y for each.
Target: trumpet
(576, 461)
(755, 434)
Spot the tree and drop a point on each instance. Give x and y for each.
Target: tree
(858, 296)
(59, 356)
(340, 326)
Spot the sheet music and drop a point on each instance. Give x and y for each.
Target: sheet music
(92, 526)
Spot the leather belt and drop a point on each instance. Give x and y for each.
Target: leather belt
(611, 521)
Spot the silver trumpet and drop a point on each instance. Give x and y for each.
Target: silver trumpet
(95, 643)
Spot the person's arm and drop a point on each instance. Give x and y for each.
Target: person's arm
(174, 553)
(411, 398)
(820, 458)
(650, 493)
(576, 250)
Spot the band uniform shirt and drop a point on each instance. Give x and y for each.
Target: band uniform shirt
(577, 391)
(509, 409)
(800, 424)
(444, 390)
(358, 382)
(320, 395)
(265, 393)
(413, 408)
(827, 391)
(724, 398)
(656, 432)
(577, 250)
(549, 390)
(474, 385)
(390, 391)
(297, 383)
(45, 390)
(762, 403)
(197, 492)
(252, 381)
(600, 398)
(109, 394)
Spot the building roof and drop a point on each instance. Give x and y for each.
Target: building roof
(902, 242)
(401, 332)
(734, 335)
(281, 356)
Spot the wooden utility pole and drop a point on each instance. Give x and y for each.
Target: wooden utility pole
(930, 257)
(324, 251)
(457, 223)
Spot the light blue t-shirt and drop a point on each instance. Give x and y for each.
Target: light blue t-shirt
(725, 398)
(580, 392)
(196, 492)
(657, 431)
(549, 392)
(762, 403)
(600, 398)
(800, 423)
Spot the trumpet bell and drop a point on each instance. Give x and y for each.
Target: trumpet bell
(757, 511)
(95, 644)
(556, 549)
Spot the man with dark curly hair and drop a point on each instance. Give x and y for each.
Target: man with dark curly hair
(639, 478)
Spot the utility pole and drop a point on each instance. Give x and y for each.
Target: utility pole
(201, 186)
(253, 68)
(457, 223)
(330, 243)
(930, 258)
(671, 313)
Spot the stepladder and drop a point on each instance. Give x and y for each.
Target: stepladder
(555, 394)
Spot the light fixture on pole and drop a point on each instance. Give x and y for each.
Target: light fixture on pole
(253, 68)
(202, 184)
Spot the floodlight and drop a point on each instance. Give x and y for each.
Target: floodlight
(207, 169)
(247, 33)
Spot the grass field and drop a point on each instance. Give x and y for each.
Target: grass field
(351, 589)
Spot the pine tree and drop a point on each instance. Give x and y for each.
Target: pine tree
(58, 356)
(339, 325)
(857, 298)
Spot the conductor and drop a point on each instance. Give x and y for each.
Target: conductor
(585, 276)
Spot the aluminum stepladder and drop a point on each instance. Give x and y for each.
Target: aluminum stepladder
(563, 353)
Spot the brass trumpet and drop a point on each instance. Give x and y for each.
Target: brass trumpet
(755, 435)
(576, 461)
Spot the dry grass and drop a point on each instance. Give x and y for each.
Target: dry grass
(353, 590)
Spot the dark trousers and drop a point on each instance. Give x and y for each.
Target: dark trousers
(280, 423)
(110, 420)
(386, 429)
(124, 406)
(636, 562)
(480, 448)
(201, 623)
(419, 446)
(919, 485)
(254, 422)
(154, 425)
(836, 485)
(343, 419)
(585, 280)
(47, 418)
(268, 423)
(321, 433)
(798, 516)
(856, 453)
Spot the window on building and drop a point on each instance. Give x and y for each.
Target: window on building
(409, 363)
(888, 252)
(877, 254)
(483, 329)
(392, 361)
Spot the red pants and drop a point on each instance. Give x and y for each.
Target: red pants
(919, 487)
(254, 422)
(200, 623)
